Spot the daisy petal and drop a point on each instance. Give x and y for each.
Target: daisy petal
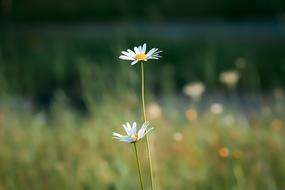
(158, 51)
(141, 132)
(126, 57)
(134, 127)
(129, 127)
(156, 57)
(134, 62)
(144, 48)
(148, 131)
(126, 54)
(151, 52)
(140, 49)
(127, 130)
(117, 135)
(131, 52)
(127, 139)
(136, 50)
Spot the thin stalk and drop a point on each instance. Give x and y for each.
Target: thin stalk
(139, 166)
(145, 120)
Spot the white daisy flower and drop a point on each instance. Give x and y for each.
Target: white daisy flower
(230, 78)
(139, 54)
(132, 134)
(194, 89)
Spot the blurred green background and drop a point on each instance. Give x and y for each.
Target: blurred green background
(154, 10)
(63, 91)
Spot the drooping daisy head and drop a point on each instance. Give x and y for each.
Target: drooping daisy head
(139, 54)
(132, 134)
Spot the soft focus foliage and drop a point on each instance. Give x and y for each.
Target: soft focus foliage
(64, 149)
(145, 9)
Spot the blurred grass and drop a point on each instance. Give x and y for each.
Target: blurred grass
(65, 150)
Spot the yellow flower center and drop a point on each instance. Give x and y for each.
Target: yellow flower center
(136, 136)
(140, 56)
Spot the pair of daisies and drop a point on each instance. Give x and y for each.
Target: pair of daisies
(139, 54)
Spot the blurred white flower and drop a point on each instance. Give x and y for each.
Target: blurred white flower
(132, 134)
(139, 54)
(217, 108)
(194, 89)
(178, 136)
(230, 78)
(153, 111)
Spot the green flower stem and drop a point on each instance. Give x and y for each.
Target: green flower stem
(139, 166)
(145, 120)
